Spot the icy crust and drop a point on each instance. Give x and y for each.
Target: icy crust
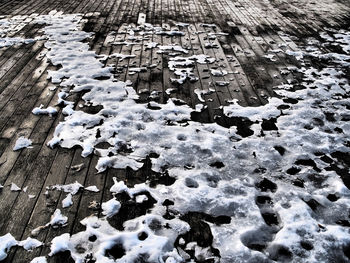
(266, 213)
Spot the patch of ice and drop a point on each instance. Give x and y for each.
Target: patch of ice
(183, 66)
(208, 25)
(211, 45)
(182, 24)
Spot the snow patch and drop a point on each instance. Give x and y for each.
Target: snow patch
(21, 143)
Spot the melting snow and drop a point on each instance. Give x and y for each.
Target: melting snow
(30, 243)
(67, 202)
(15, 188)
(232, 190)
(217, 171)
(21, 143)
(39, 260)
(92, 188)
(10, 41)
(57, 219)
(41, 110)
(6, 242)
(110, 208)
(68, 188)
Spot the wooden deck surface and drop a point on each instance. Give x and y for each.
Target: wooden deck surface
(254, 26)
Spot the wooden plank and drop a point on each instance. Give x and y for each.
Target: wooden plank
(203, 71)
(87, 197)
(156, 73)
(30, 72)
(223, 92)
(17, 99)
(18, 164)
(41, 94)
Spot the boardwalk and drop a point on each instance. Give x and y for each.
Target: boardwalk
(254, 48)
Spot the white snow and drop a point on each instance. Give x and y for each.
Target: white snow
(218, 73)
(110, 208)
(254, 113)
(67, 202)
(30, 243)
(118, 187)
(57, 219)
(177, 48)
(46, 111)
(10, 41)
(6, 242)
(155, 245)
(39, 260)
(15, 187)
(141, 198)
(198, 139)
(187, 148)
(121, 57)
(92, 188)
(21, 143)
(151, 45)
(231, 190)
(59, 243)
(72, 188)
